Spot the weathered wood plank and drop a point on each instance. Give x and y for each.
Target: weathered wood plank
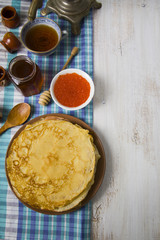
(126, 117)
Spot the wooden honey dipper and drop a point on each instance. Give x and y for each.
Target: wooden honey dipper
(45, 97)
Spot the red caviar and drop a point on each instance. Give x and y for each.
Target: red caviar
(71, 89)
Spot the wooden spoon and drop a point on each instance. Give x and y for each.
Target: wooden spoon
(18, 115)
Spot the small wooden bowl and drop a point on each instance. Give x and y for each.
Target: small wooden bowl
(101, 165)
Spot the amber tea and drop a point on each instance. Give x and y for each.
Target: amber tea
(41, 38)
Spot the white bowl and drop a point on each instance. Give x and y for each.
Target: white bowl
(81, 73)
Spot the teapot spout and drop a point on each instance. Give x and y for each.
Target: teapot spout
(35, 4)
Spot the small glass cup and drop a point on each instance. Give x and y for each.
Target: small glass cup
(25, 75)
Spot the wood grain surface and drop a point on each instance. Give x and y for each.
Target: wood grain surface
(127, 119)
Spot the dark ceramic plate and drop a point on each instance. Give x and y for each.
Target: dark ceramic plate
(100, 166)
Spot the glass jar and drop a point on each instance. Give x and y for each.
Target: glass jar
(25, 75)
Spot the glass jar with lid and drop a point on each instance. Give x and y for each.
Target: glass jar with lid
(25, 75)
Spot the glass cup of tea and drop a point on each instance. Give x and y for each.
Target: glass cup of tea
(42, 36)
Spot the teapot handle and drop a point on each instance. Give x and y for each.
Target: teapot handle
(64, 34)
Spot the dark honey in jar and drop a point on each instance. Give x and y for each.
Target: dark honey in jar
(25, 75)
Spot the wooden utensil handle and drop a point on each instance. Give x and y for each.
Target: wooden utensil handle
(3, 128)
(73, 53)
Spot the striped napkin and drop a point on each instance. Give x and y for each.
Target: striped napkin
(16, 220)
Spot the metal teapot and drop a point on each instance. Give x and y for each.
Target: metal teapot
(72, 10)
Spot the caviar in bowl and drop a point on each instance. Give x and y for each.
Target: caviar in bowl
(72, 89)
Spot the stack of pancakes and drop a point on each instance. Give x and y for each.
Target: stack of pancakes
(51, 165)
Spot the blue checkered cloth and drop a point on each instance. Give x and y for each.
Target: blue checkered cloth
(16, 220)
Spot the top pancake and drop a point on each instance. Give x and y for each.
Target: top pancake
(51, 163)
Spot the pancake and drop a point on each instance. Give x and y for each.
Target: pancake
(77, 201)
(51, 164)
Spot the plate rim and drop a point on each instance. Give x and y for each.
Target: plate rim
(102, 161)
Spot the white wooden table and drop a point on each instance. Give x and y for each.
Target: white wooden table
(127, 119)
